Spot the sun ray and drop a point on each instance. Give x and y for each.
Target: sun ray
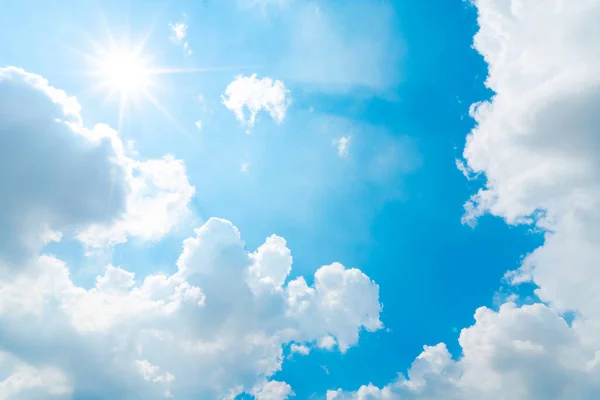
(167, 115)
(169, 71)
(122, 105)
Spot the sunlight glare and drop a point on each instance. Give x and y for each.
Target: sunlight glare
(124, 73)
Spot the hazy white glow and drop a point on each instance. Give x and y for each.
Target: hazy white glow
(125, 73)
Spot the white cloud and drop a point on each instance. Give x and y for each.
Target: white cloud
(300, 349)
(215, 327)
(152, 373)
(326, 342)
(274, 390)
(271, 264)
(59, 175)
(536, 144)
(467, 173)
(179, 30)
(198, 124)
(515, 353)
(179, 34)
(26, 382)
(217, 324)
(157, 204)
(187, 50)
(253, 94)
(343, 145)
(536, 141)
(68, 178)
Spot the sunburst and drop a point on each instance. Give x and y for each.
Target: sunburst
(127, 73)
(124, 73)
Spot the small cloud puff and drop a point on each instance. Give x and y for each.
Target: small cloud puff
(179, 34)
(255, 95)
(343, 145)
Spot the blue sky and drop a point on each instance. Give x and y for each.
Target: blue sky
(362, 114)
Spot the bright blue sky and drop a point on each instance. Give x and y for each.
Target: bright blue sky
(398, 77)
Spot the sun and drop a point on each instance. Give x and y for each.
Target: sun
(125, 73)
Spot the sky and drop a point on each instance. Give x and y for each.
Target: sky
(286, 199)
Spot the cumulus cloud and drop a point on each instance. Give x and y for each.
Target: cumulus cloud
(535, 145)
(157, 203)
(524, 352)
(63, 177)
(218, 324)
(214, 328)
(536, 140)
(274, 390)
(255, 95)
(326, 342)
(56, 175)
(300, 349)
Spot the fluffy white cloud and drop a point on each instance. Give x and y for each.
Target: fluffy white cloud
(300, 349)
(516, 353)
(60, 176)
(253, 94)
(536, 143)
(274, 390)
(537, 140)
(157, 203)
(326, 342)
(216, 327)
(56, 174)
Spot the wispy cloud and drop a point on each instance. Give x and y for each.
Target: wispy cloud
(343, 145)
(179, 32)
